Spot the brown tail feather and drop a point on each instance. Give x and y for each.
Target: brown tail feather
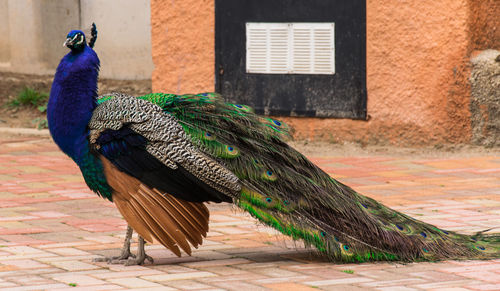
(191, 213)
(155, 215)
(156, 219)
(191, 230)
(153, 228)
(126, 210)
(162, 235)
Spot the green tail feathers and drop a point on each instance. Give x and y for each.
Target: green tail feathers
(284, 190)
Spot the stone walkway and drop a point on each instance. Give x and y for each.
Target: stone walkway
(51, 226)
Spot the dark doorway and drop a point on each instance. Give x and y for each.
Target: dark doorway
(340, 94)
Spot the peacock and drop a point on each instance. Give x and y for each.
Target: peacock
(161, 157)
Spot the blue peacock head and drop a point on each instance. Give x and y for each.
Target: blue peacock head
(75, 39)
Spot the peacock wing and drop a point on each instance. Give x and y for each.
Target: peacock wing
(150, 164)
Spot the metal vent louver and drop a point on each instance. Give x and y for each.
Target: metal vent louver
(290, 48)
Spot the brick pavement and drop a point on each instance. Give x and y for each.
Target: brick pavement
(51, 226)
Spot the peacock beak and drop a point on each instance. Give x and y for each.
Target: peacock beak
(67, 42)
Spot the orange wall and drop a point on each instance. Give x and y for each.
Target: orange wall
(183, 48)
(417, 67)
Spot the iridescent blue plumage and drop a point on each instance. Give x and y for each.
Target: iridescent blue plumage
(72, 101)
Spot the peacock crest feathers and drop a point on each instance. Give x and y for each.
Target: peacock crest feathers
(93, 33)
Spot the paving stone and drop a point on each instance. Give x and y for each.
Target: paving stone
(490, 277)
(188, 285)
(65, 258)
(224, 270)
(399, 282)
(214, 263)
(69, 252)
(238, 286)
(79, 280)
(133, 282)
(446, 284)
(26, 280)
(74, 265)
(288, 287)
(211, 255)
(90, 288)
(397, 288)
(483, 287)
(25, 264)
(339, 281)
(124, 274)
(36, 287)
(180, 276)
(160, 288)
(275, 280)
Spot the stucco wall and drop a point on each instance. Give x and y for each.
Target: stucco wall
(124, 40)
(183, 45)
(417, 67)
(32, 33)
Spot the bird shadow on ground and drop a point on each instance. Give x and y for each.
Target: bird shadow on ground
(164, 257)
(302, 256)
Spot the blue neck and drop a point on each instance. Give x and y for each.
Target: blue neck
(72, 100)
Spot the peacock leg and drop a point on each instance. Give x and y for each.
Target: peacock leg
(141, 255)
(125, 254)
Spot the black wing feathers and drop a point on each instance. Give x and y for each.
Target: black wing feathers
(126, 149)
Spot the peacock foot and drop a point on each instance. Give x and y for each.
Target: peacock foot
(121, 259)
(126, 257)
(141, 256)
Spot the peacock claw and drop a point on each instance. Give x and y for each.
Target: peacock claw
(139, 261)
(121, 259)
(126, 257)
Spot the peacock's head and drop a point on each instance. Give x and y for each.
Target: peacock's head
(75, 40)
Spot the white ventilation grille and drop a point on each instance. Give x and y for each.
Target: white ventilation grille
(290, 48)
